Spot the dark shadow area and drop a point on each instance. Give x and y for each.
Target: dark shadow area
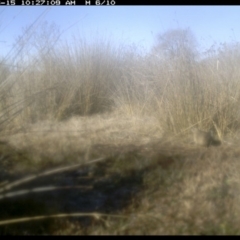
(104, 187)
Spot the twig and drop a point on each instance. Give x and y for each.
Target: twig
(40, 189)
(61, 215)
(30, 178)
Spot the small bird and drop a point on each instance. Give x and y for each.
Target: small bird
(204, 139)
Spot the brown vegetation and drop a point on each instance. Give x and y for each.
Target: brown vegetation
(97, 140)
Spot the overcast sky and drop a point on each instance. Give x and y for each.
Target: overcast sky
(124, 24)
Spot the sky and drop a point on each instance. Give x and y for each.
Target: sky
(138, 25)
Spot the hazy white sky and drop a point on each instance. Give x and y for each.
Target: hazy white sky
(125, 24)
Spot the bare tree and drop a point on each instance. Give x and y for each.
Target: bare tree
(176, 44)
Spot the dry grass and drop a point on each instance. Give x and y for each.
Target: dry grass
(95, 139)
(144, 184)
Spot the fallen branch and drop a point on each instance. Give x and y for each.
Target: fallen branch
(35, 176)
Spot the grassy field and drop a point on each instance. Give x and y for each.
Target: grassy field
(95, 139)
